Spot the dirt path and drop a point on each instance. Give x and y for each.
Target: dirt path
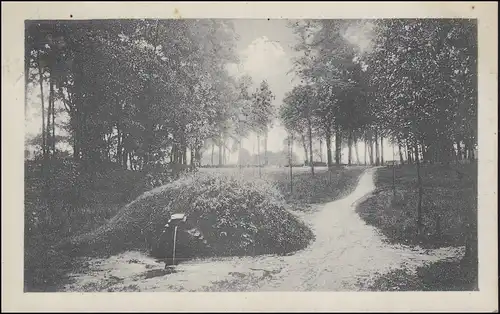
(346, 255)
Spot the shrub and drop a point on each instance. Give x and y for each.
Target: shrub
(236, 217)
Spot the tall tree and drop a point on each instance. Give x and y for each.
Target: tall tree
(262, 114)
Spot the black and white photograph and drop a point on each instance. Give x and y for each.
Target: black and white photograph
(260, 154)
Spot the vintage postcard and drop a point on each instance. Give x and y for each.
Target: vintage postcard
(249, 156)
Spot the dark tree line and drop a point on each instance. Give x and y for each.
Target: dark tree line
(137, 92)
(416, 87)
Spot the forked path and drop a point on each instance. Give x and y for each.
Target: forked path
(345, 256)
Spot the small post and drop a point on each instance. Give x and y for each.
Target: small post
(175, 220)
(175, 240)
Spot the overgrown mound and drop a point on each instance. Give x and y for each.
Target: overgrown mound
(235, 216)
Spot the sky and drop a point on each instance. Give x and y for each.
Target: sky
(265, 52)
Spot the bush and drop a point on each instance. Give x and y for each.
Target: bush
(236, 217)
(62, 200)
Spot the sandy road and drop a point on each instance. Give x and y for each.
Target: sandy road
(346, 255)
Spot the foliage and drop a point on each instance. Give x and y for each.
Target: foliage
(416, 84)
(262, 113)
(423, 74)
(120, 80)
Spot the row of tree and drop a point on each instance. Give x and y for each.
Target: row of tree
(415, 86)
(141, 92)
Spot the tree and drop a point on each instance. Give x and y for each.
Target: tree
(297, 114)
(423, 87)
(120, 80)
(262, 113)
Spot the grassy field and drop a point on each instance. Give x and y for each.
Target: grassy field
(305, 189)
(449, 195)
(46, 268)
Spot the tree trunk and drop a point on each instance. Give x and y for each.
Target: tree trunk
(425, 152)
(382, 150)
(125, 157)
(220, 151)
(472, 155)
(338, 146)
(448, 151)
(266, 160)
(198, 155)
(349, 148)
(49, 128)
(224, 150)
(320, 150)
(409, 153)
(401, 159)
(370, 150)
(309, 127)
(365, 152)
(172, 154)
(118, 144)
(239, 152)
(258, 154)
(179, 154)
(184, 153)
(304, 145)
(377, 154)
(52, 101)
(356, 151)
(192, 161)
(329, 148)
(212, 156)
(420, 190)
(459, 151)
(76, 133)
(454, 153)
(42, 98)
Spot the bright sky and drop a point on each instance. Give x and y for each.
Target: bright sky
(265, 50)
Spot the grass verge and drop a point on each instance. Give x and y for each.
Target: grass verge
(449, 196)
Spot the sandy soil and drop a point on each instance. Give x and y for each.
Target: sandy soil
(346, 256)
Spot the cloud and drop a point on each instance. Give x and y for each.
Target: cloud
(264, 58)
(361, 35)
